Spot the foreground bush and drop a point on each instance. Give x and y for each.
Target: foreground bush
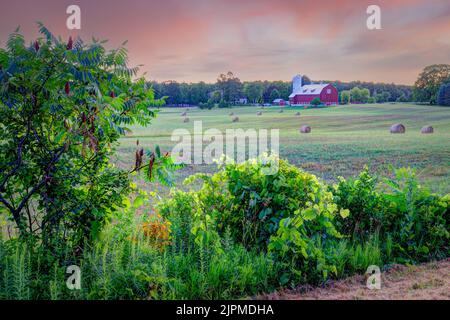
(135, 267)
(240, 234)
(314, 231)
(413, 223)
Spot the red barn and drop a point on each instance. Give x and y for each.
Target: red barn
(303, 95)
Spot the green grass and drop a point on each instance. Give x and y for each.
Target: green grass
(343, 140)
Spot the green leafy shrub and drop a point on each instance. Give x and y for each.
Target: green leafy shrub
(443, 96)
(224, 104)
(304, 239)
(202, 263)
(179, 210)
(366, 205)
(316, 102)
(289, 212)
(252, 203)
(63, 108)
(220, 248)
(412, 222)
(418, 221)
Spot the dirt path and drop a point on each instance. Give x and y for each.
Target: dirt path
(428, 281)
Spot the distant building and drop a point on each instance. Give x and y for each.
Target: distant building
(241, 101)
(304, 94)
(279, 102)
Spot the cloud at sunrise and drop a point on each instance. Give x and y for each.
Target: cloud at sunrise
(194, 40)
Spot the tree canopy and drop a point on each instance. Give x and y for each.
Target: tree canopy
(429, 81)
(63, 107)
(443, 98)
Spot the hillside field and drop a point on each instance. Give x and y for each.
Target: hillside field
(343, 140)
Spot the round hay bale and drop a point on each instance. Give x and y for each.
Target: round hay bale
(305, 129)
(427, 130)
(259, 113)
(185, 120)
(231, 114)
(184, 114)
(235, 119)
(398, 128)
(298, 114)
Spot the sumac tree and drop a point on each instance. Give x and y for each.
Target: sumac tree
(63, 107)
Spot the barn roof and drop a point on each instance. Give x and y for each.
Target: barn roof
(309, 89)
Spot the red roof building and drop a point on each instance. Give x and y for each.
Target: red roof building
(304, 94)
(279, 102)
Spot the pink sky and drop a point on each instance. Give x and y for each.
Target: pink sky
(193, 40)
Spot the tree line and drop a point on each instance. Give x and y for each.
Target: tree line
(432, 84)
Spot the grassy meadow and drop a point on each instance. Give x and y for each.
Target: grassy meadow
(343, 139)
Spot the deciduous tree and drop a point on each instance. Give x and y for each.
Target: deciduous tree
(429, 82)
(63, 107)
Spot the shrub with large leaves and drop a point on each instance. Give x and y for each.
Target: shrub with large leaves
(413, 220)
(252, 204)
(368, 207)
(289, 213)
(418, 220)
(63, 107)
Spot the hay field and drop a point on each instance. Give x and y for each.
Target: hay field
(343, 139)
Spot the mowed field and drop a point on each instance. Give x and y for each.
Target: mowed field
(343, 139)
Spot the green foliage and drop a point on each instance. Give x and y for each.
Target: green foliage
(230, 87)
(207, 264)
(289, 213)
(429, 81)
(115, 267)
(359, 95)
(368, 208)
(312, 231)
(413, 223)
(363, 255)
(181, 94)
(402, 98)
(180, 211)
(254, 91)
(345, 97)
(224, 104)
(275, 94)
(251, 203)
(263, 201)
(350, 257)
(318, 235)
(16, 269)
(160, 167)
(418, 221)
(316, 102)
(443, 97)
(63, 108)
(207, 105)
(382, 97)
